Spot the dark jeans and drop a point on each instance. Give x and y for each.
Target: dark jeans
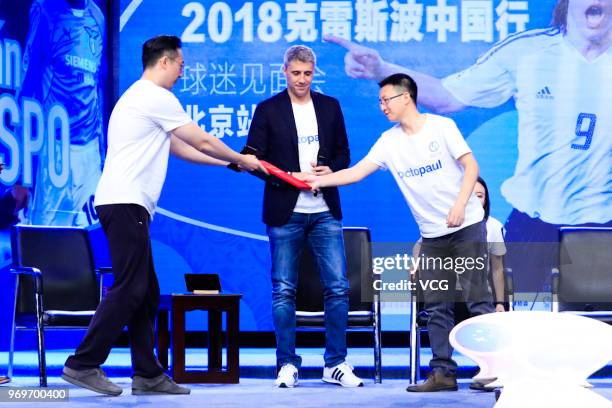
(323, 233)
(454, 249)
(133, 298)
(533, 250)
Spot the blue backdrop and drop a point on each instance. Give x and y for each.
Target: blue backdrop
(209, 219)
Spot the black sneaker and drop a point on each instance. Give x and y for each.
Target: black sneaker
(93, 379)
(162, 384)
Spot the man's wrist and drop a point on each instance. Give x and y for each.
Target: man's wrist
(239, 159)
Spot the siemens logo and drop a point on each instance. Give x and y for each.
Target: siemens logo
(308, 139)
(79, 62)
(420, 171)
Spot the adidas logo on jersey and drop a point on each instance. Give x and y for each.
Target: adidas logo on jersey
(545, 93)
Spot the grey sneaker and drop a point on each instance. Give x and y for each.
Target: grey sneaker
(93, 379)
(162, 384)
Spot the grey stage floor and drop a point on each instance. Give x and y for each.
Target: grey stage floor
(256, 388)
(261, 393)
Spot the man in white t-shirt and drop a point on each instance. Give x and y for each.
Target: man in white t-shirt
(560, 79)
(436, 172)
(303, 132)
(146, 125)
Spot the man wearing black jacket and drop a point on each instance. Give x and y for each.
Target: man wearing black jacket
(302, 132)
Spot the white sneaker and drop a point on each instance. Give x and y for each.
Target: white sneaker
(341, 374)
(287, 376)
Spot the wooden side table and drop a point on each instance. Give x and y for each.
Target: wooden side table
(214, 305)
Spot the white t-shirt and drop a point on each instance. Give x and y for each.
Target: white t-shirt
(139, 145)
(427, 172)
(495, 237)
(308, 148)
(564, 170)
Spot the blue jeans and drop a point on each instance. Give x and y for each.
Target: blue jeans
(323, 233)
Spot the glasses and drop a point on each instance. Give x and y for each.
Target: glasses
(385, 101)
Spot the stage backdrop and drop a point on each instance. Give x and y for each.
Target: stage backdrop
(54, 97)
(209, 219)
(52, 88)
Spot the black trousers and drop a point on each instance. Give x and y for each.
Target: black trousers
(132, 300)
(465, 256)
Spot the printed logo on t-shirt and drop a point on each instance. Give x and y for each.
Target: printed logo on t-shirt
(308, 139)
(434, 146)
(420, 171)
(545, 93)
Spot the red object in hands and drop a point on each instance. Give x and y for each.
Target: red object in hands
(276, 172)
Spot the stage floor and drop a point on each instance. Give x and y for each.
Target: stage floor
(256, 385)
(253, 392)
(254, 362)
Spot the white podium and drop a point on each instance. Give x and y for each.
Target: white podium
(542, 359)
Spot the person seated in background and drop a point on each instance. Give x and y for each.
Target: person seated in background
(495, 245)
(496, 249)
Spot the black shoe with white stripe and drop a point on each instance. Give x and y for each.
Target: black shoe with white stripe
(341, 374)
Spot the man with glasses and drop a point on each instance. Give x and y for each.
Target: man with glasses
(436, 172)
